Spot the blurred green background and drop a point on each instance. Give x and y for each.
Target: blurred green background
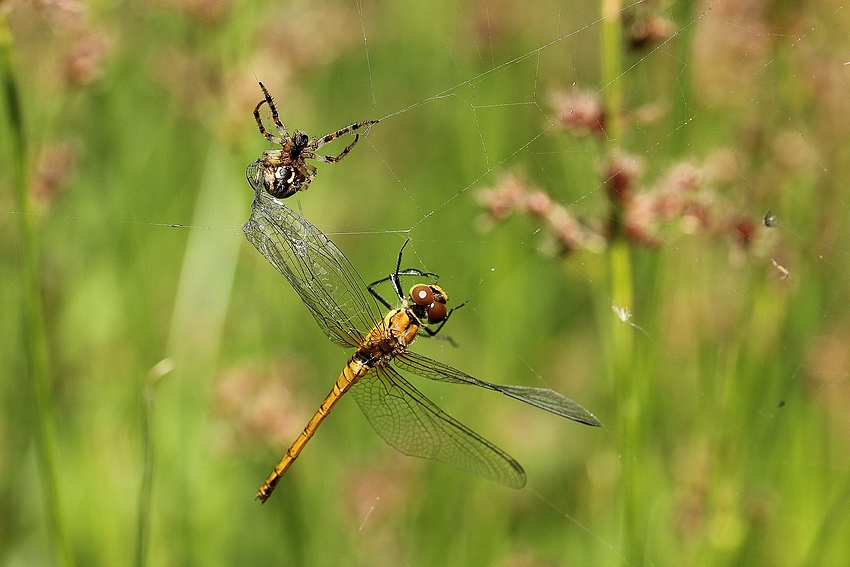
(725, 400)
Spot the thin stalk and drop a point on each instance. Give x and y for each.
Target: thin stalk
(35, 334)
(620, 271)
(143, 524)
(612, 64)
(628, 400)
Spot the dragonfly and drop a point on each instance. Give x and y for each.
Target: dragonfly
(350, 316)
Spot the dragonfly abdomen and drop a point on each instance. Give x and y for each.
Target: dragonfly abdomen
(351, 373)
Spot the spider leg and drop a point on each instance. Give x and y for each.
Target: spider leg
(266, 135)
(311, 175)
(347, 130)
(281, 129)
(331, 159)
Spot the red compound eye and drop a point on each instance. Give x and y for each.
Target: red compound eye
(422, 295)
(437, 313)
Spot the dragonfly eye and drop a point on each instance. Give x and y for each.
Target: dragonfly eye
(437, 313)
(422, 295)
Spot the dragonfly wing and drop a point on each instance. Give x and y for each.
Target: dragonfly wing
(414, 425)
(316, 269)
(542, 398)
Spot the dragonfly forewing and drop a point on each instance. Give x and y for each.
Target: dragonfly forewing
(414, 425)
(315, 268)
(542, 398)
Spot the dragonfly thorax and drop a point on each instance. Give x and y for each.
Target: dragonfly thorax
(401, 326)
(389, 339)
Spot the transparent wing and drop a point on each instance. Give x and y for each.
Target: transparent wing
(414, 425)
(542, 398)
(315, 268)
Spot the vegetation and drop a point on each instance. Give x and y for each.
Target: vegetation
(596, 187)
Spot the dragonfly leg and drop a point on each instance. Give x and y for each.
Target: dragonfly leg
(433, 332)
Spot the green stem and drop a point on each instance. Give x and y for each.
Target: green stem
(33, 313)
(612, 63)
(628, 401)
(143, 524)
(622, 335)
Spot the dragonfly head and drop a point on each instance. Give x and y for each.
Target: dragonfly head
(430, 300)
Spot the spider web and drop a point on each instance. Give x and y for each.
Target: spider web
(732, 64)
(500, 65)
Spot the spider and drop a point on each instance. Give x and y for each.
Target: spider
(284, 172)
